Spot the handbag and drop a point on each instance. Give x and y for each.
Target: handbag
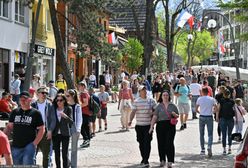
(173, 120)
(237, 137)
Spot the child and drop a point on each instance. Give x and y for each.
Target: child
(240, 111)
(104, 98)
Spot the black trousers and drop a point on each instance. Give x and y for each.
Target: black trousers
(57, 140)
(144, 139)
(85, 128)
(165, 136)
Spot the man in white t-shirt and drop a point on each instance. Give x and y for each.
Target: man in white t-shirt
(196, 92)
(92, 80)
(207, 105)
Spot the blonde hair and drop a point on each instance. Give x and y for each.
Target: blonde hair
(238, 101)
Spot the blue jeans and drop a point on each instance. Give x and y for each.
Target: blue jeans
(24, 156)
(193, 103)
(226, 126)
(210, 123)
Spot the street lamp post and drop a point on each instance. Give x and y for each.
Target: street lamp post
(213, 25)
(190, 37)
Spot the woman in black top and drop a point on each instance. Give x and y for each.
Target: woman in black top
(61, 133)
(156, 88)
(225, 114)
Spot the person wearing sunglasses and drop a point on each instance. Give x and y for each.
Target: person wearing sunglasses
(73, 101)
(45, 108)
(61, 133)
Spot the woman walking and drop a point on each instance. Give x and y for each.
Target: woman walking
(166, 131)
(240, 112)
(73, 101)
(225, 117)
(61, 133)
(125, 99)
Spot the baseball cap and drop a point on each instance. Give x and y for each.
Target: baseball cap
(142, 87)
(25, 94)
(51, 81)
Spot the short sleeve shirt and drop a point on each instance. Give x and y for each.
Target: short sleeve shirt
(85, 109)
(184, 91)
(143, 109)
(4, 147)
(103, 97)
(25, 126)
(206, 104)
(161, 113)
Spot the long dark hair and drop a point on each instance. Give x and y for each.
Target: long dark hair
(55, 100)
(73, 93)
(161, 94)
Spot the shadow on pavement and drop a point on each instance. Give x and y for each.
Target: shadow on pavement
(200, 161)
(116, 132)
(114, 115)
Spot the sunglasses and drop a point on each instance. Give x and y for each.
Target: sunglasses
(67, 95)
(44, 93)
(60, 100)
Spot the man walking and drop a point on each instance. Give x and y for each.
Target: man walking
(143, 108)
(183, 93)
(28, 129)
(196, 92)
(49, 120)
(206, 104)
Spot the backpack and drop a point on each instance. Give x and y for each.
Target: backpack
(94, 106)
(178, 87)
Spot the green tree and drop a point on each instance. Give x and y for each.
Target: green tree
(200, 50)
(133, 49)
(161, 24)
(159, 61)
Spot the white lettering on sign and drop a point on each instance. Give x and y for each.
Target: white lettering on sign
(49, 51)
(41, 49)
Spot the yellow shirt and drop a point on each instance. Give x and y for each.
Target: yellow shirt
(61, 84)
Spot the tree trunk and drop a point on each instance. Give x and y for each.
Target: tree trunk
(59, 46)
(28, 72)
(148, 36)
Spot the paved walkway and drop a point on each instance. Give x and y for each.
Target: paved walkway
(115, 148)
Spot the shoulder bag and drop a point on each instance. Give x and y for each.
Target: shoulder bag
(173, 120)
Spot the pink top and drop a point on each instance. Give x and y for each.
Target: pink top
(125, 93)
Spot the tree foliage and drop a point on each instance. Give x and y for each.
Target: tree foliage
(159, 62)
(133, 49)
(202, 49)
(161, 24)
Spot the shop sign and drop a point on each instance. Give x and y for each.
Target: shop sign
(44, 50)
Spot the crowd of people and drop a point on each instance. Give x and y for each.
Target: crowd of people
(45, 118)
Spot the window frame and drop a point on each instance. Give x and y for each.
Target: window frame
(20, 18)
(2, 8)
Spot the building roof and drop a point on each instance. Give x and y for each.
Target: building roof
(122, 16)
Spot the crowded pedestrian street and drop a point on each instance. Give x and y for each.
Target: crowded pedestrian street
(116, 148)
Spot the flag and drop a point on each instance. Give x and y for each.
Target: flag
(222, 49)
(183, 18)
(191, 22)
(112, 38)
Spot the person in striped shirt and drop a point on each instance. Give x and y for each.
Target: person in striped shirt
(143, 108)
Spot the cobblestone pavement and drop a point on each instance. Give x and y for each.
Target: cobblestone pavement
(115, 148)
